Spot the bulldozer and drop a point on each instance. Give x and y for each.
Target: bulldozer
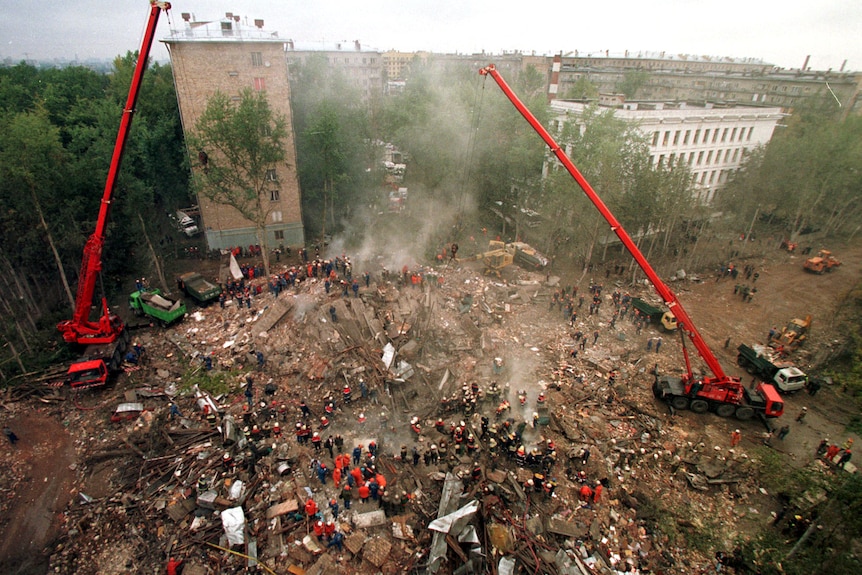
(501, 255)
(494, 260)
(793, 335)
(824, 261)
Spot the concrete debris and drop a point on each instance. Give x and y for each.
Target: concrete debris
(465, 425)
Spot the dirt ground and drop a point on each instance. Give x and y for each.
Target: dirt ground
(42, 474)
(42, 471)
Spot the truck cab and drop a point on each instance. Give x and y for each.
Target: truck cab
(789, 379)
(186, 224)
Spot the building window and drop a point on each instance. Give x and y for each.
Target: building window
(691, 159)
(654, 139)
(709, 158)
(276, 216)
(687, 136)
(256, 59)
(735, 154)
(670, 159)
(724, 134)
(711, 177)
(271, 176)
(661, 160)
(696, 136)
(715, 135)
(666, 139)
(273, 195)
(676, 138)
(259, 84)
(733, 134)
(700, 158)
(279, 235)
(706, 136)
(750, 130)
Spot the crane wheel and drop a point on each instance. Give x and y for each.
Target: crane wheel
(679, 402)
(700, 406)
(725, 409)
(744, 413)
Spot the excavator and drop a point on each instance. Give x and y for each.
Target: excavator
(722, 394)
(106, 339)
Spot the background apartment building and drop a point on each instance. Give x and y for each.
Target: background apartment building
(229, 56)
(711, 140)
(363, 67)
(684, 77)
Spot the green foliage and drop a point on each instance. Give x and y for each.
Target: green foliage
(243, 140)
(632, 81)
(57, 132)
(582, 89)
(334, 150)
(806, 179)
(213, 382)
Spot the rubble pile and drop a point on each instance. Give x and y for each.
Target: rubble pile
(450, 424)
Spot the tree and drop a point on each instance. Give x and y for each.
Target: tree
(582, 89)
(632, 81)
(243, 142)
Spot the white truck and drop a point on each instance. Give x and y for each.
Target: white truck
(186, 224)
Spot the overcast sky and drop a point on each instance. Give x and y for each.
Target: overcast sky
(781, 32)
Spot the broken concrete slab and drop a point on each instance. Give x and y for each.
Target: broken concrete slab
(369, 519)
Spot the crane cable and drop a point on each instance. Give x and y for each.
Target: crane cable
(478, 103)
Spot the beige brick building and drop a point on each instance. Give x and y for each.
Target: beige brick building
(229, 57)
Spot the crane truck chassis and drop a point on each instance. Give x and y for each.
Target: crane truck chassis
(105, 340)
(723, 394)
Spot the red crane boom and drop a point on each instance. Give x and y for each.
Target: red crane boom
(109, 326)
(722, 393)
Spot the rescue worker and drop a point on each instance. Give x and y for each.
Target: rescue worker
(310, 508)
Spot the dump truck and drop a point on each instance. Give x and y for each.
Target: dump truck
(756, 361)
(664, 319)
(824, 261)
(154, 304)
(527, 256)
(793, 335)
(194, 284)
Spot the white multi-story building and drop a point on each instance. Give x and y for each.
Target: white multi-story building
(711, 140)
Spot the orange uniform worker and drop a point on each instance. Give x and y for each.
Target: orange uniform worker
(336, 476)
(318, 530)
(364, 492)
(585, 493)
(597, 494)
(735, 438)
(310, 508)
(381, 481)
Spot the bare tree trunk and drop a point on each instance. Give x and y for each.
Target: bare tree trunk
(10, 311)
(153, 255)
(50, 239)
(29, 308)
(589, 255)
(16, 355)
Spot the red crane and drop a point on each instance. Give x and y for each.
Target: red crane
(107, 336)
(721, 393)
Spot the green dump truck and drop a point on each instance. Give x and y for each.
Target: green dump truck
(154, 304)
(198, 288)
(664, 319)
